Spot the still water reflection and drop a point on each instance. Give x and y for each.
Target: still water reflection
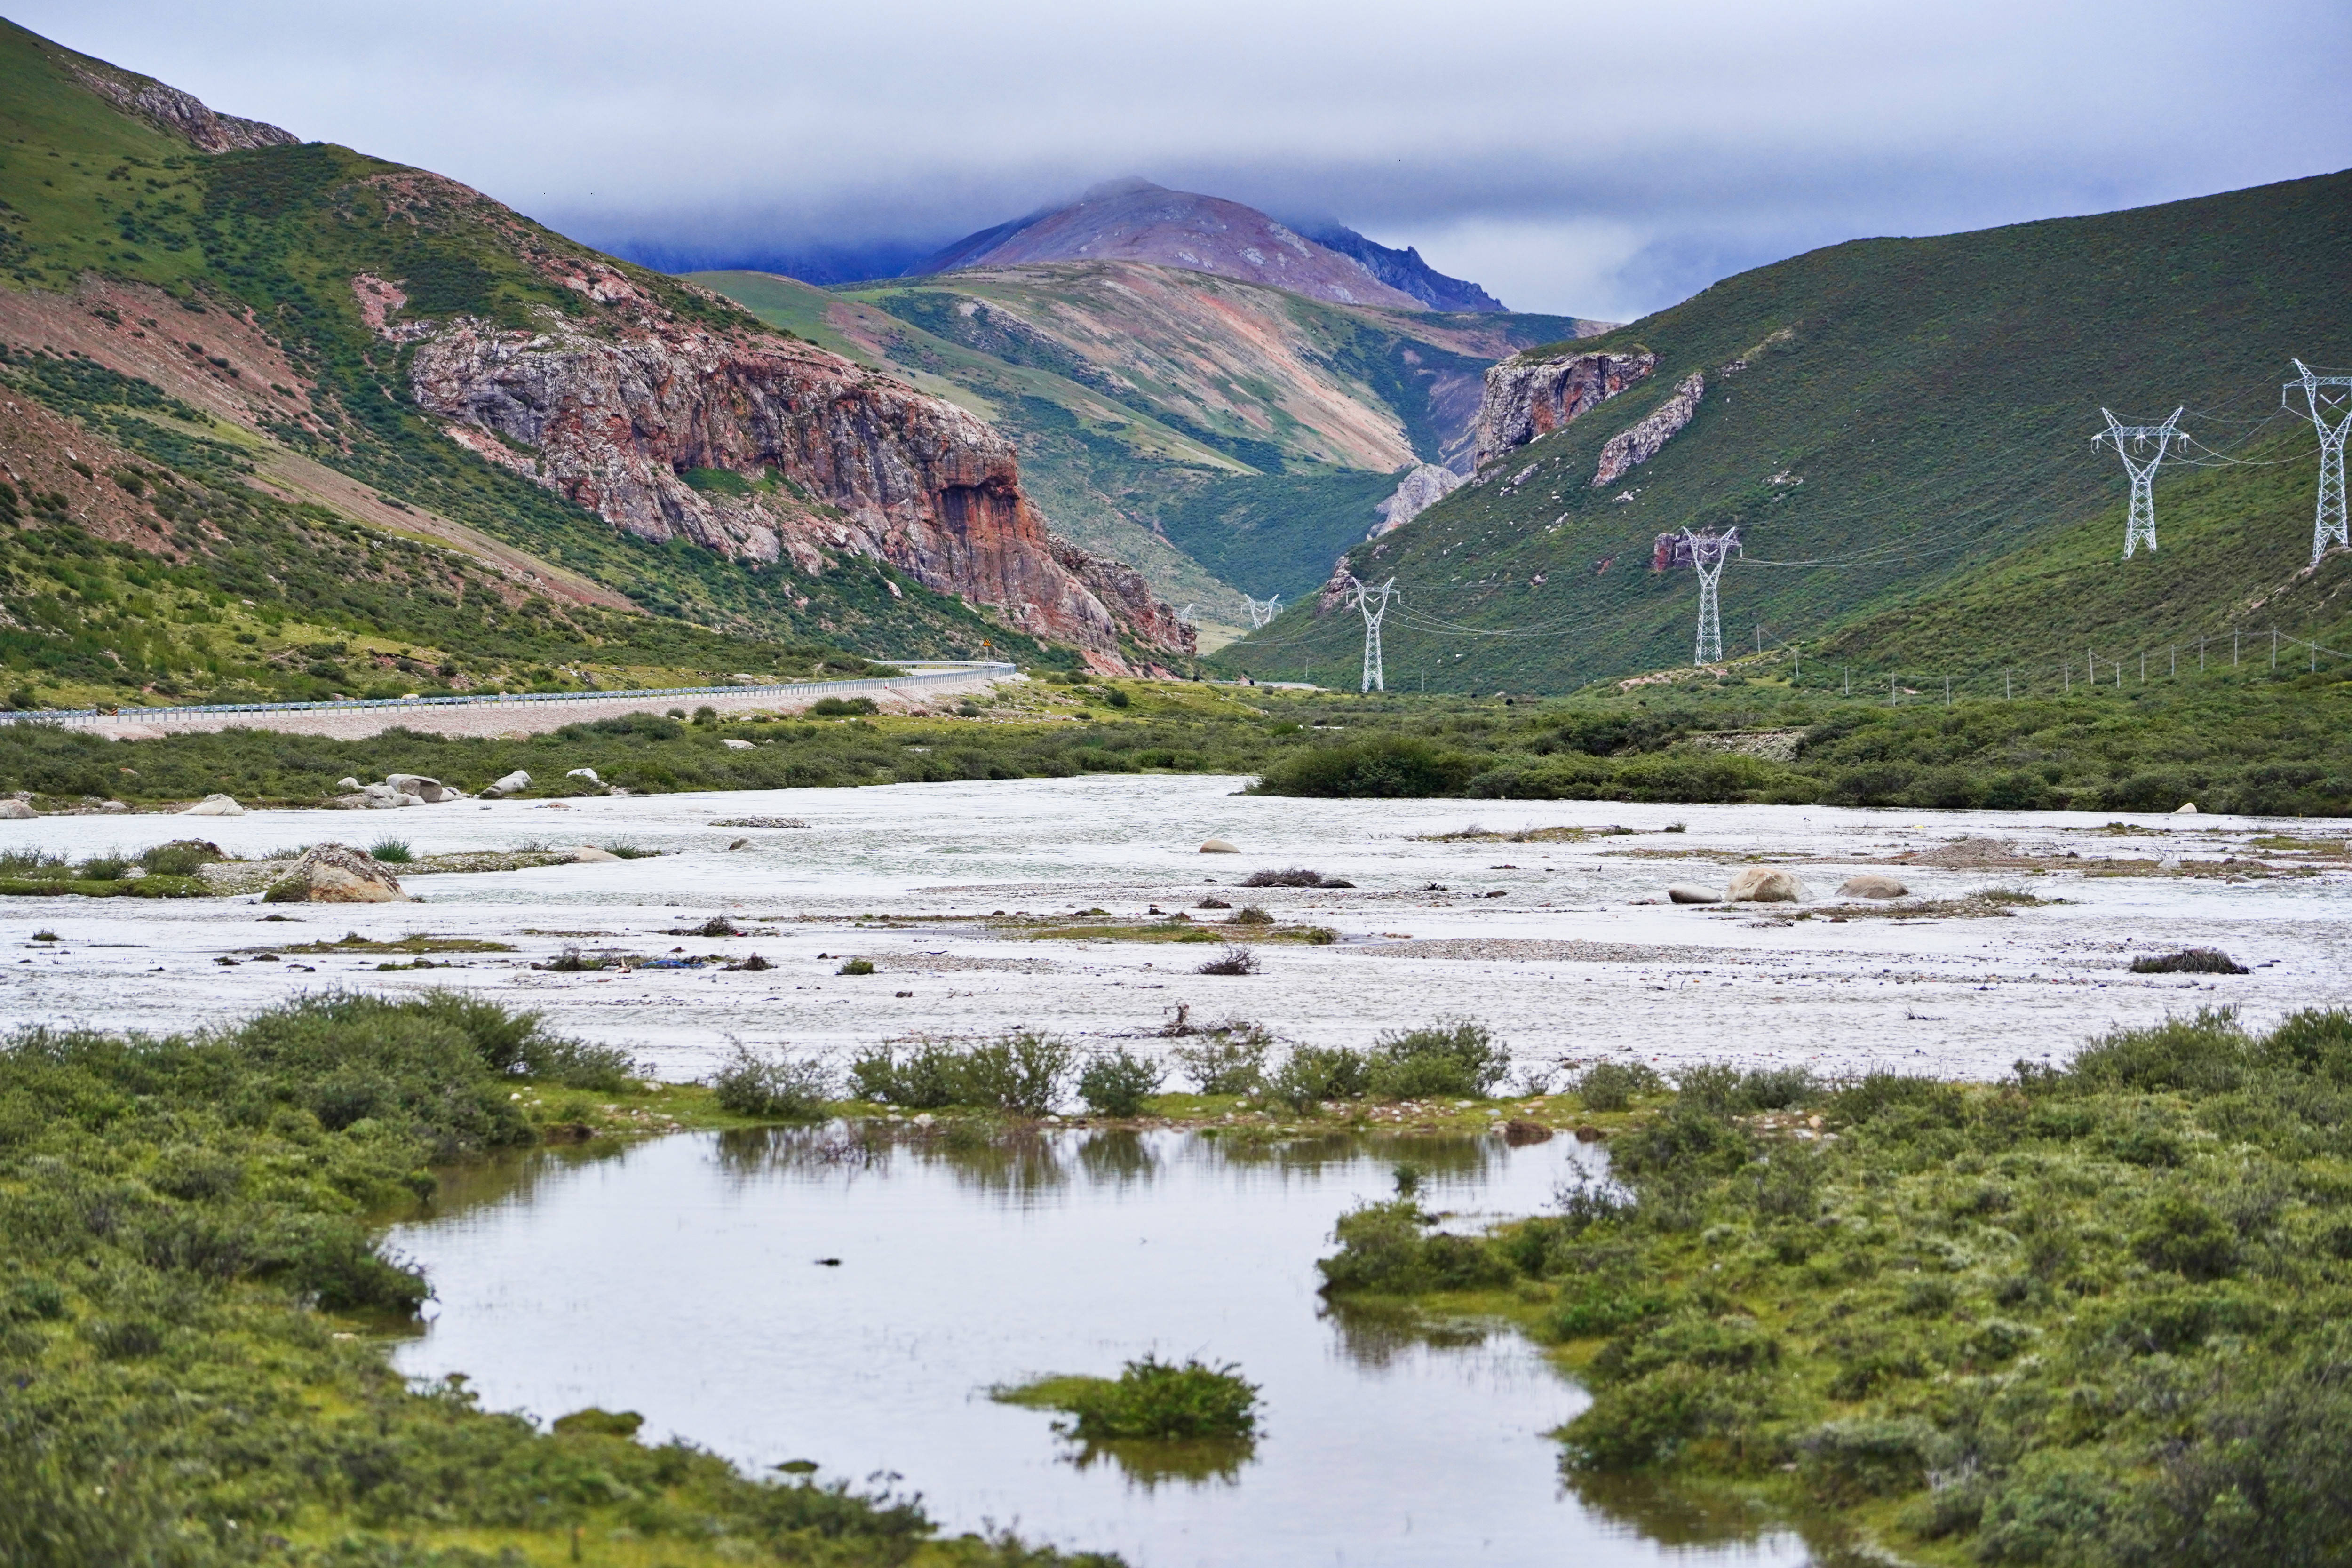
(682, 1278)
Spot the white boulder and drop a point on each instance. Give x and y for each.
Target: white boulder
(588, 773)
(16, 811)
(1217, 846)
(1684, 893)
(1764, 885)
(1873, 885)
(732, 744)
(336, 874)
(517, 780)
(215, 805)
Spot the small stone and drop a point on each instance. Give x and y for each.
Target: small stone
(215, 805)
(1218, 847)
(1872, 885)
(1683, 893)
(732, 744)
(1764, 885)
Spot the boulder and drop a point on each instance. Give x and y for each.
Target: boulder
(517, 780)
(113, 806)
(732, 744)
(384, 797)
(589, 852)
(588, 773)
(16, 811)
(336, 874)
(429, 791)
(1217, 846)
(2187, 808)
(347, 785)
(215, 805)
(1764, 885)
(1872, 885)
(1683, 893)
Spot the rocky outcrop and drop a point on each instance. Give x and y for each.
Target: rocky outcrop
(336, 874)
(1527, 398)
(1122, 589)
(796, 456)
(181, 114)
(1640, 443)
(1419, 491)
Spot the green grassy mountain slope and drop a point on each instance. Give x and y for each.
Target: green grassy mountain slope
(1221, 436)
(203, 399)
(1900, 429)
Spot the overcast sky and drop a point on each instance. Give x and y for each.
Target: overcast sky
(1595, 159)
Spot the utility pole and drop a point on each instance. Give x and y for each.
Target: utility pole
(1261, 614)
(2005, 692)
(2139, 520)
(1947, 691)
(1374, 679)
(2329, 400)
(2274, 647)
(1891, 701)
(1849, 678)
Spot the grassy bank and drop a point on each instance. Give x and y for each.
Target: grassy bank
(192, 1296)
(2247, 740)
(2091, 1315)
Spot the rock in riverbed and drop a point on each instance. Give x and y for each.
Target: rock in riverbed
(16, 811)
(336, 874)
(512, 782)
(1872, 885)
(1217, 846)
(215, 805)
(1683, 893)
(1764, 885)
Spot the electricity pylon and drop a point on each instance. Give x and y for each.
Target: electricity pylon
(1708, 552)
(2329, 400)
(2140, 521)
(1262, 614)
(1374, 679)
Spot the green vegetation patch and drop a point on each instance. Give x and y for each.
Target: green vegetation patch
(192, 1296)
(2091, 1314)
(1149, 1400)
(352, 942)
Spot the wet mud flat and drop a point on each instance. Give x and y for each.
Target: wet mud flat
(1045, 904)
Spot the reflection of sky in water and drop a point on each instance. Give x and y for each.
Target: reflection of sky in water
(679, 1280)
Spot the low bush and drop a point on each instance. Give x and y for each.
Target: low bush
(2190, 961)
(1614, 1086)
(1389, 1249)
(391, 851)
(1459, 1058)
(1296, 877)
(1312, 1075)
(843, 707)
(1025, 1072)
(1116, 1082)
(1227, 1061)
(773, 1088)
(1386, 767)
(856, 966)
(1150, 1401)
(1234, 960)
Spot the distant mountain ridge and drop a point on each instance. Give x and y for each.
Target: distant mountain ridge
(1402, 269)
(1135, 220)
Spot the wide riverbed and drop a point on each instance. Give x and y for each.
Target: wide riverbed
(682, 1280)
(1563, 945)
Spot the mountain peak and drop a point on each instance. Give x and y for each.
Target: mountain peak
(1132, 219)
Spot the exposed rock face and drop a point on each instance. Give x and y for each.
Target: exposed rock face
(1129, 598)
(1525, 399)
(1419, 490)
(169, 109)
(1641, 442)
(838, 460)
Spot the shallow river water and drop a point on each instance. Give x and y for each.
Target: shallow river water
(681, 1278)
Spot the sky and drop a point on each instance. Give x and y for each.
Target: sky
(1594, 159)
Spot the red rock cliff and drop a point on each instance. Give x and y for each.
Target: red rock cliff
(612, 413)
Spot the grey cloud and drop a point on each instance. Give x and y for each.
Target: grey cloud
(1654, 145)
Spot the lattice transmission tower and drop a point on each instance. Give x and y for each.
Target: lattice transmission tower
(1708, 552)
(2329, 400)
(1262, 613)
(2140, 522)
(1374, 604)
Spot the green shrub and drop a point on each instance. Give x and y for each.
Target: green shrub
(1226, 1062)
(391, 851)
(1459, 1058)
(842, 707)
(1313, 1074)
(856, 966)
(1150, 1401)
(1024, 1072)
(1116, 1082)
(1613, 1086)
(772, 1089)
(1387, 1249)
(1387, 767)
(104, 868)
